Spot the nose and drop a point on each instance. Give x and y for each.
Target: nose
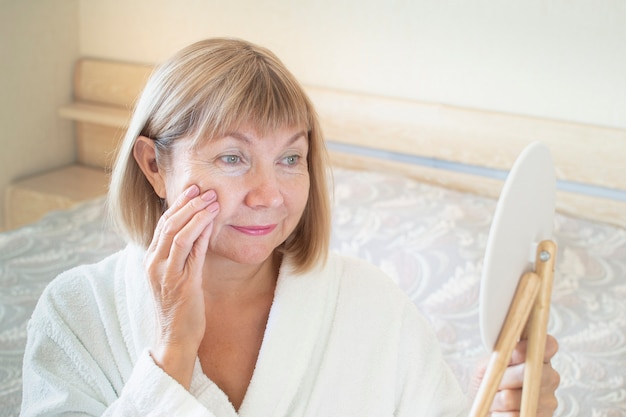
(264, 189)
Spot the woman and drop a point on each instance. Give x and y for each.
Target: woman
(226, 301)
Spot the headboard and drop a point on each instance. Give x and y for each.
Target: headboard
(463, 149)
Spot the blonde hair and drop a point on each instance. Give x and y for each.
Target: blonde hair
(202, 92)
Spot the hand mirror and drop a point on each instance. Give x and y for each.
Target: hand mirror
(523, 217)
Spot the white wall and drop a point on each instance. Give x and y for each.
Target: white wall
(561, 59)
(38, 47)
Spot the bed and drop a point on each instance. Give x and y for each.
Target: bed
(408, 197)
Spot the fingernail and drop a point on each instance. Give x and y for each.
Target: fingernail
(192, 191)
(213, 207)
(209, 195)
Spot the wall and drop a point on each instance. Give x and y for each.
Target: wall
(550, 58)
(38, 47)
(560, 59)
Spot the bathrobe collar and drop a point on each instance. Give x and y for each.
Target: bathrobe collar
(298, 324)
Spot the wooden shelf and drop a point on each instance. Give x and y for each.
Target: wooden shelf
(104, 93)
(94, 113)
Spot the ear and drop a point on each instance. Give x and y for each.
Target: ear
(145, 155)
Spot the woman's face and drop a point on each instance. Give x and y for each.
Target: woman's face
(262, 186)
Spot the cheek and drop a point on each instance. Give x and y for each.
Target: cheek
(176, 184)
(229, 195)
(297, 195)
(178, 181)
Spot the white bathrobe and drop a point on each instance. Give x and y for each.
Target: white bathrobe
(342, 340)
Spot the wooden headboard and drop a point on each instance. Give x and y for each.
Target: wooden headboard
(459, 148)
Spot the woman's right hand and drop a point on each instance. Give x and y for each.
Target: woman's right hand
(174, 263)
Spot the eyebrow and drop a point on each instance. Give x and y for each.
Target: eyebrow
(244, 138)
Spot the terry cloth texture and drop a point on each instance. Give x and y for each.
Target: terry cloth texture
(341, 340)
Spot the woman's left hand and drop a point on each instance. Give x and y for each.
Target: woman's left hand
(508, 399)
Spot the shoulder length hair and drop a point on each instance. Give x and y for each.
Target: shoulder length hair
(202, 92)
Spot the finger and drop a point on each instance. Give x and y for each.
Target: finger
(519, 353)
(191, 242)
(199, 250)
(550, 379)
(507, 400)
(508, 403)
(510, 390)
(191, 192)
(480, 370)
(513, 377)
(158, 257)
(175, 219)
(548, 404)
(552, 347)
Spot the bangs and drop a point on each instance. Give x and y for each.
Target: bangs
(253, 94)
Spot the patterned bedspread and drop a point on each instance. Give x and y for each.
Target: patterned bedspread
(430, 240)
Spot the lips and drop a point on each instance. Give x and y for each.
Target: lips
(255, 230)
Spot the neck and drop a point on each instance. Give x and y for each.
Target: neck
(225, 280)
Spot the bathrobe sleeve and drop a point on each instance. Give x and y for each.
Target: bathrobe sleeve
(73, 367)
(381, 357)
(59, 386)
(424, 374)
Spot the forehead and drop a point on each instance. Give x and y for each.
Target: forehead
(249, 135)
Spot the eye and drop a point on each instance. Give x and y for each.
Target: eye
(231, 159)
(291, 160)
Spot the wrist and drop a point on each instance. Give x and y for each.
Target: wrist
(176, 361)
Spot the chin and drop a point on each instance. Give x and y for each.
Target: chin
(247, 255)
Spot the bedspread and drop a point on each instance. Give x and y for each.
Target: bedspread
(430, 240)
